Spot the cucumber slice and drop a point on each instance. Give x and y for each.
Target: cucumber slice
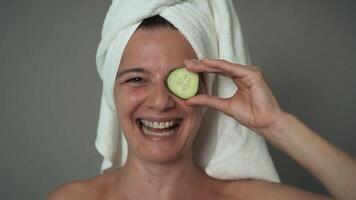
(183, 83)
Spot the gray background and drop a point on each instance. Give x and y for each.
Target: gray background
(49, 99)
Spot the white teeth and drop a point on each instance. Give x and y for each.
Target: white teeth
(159, 125)
(162, 134)
(155, 124)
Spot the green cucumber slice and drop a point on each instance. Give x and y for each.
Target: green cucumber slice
(183, 83)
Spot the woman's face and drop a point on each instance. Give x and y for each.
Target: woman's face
(158, 126)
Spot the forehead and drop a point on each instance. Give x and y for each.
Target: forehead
(156, 47)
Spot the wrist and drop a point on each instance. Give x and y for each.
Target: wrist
(275, 130)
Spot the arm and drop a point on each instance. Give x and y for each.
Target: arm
(254, 106)
(332, 167)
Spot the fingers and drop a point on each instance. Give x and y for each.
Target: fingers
(222, 67)
(209, 101)
(231, 68)
(197, 66)
(242, 74)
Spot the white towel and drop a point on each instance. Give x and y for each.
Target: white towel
(227, 150)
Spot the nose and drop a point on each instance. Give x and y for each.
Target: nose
(160, 98)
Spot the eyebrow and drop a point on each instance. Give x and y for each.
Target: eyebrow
(137, 70)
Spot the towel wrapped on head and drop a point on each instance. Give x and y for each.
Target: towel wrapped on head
(224, 148)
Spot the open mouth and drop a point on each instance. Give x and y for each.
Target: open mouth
(159, 129)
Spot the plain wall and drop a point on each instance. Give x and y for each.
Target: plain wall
(50, 91)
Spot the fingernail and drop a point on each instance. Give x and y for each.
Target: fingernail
(190, 101)
(193, 61)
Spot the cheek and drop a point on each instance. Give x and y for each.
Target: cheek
(128, 99)
(196, 115)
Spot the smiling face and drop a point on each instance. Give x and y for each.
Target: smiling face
(158, 126)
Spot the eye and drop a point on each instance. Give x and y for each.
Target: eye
(135, 81)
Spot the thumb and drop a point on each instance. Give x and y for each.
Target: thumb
(209, 101)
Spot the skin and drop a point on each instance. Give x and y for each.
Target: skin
(157, 169)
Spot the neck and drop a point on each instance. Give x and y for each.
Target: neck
(175, 180)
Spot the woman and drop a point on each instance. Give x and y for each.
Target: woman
(160, 162)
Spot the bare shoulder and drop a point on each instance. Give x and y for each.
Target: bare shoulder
(258, 189)
(89, 189)
(71, 190)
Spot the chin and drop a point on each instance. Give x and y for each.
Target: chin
(160, 157)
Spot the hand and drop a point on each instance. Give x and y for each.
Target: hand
(253, 104)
